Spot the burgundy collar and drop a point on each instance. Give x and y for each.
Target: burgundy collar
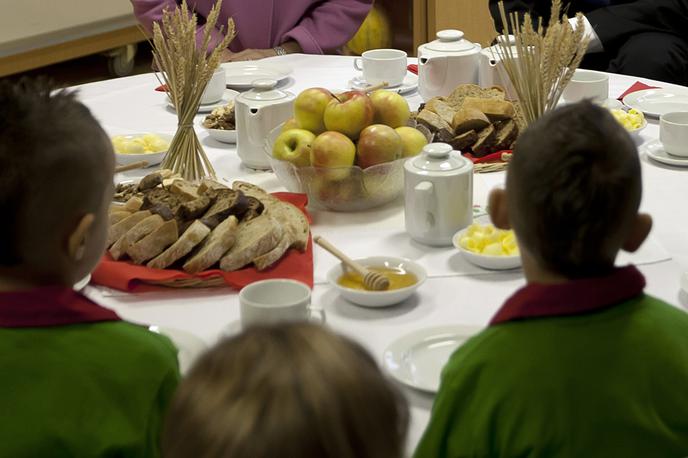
(50, 306)
(575, 297)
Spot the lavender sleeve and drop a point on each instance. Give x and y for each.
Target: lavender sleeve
(329, 25)
(149, 11)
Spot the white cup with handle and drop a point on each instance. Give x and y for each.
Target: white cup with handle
(215, 89)
(277, 300)
(587, 84)
(382, 65)
(673, 133)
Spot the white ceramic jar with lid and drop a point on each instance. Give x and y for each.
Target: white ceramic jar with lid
(445, 63)
(258, 112)
(438, 194)
(491, 68)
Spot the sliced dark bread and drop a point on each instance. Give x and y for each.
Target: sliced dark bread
(227, 202)
(485, 143)
(255, 208)
(507, 132)
(194, 209)
(465, 141)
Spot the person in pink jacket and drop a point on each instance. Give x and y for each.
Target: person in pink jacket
(272, 27)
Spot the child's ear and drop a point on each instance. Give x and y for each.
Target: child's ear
(640, 229)
(76, 244)
(497, 208)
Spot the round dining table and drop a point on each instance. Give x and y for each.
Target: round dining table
(455, 292)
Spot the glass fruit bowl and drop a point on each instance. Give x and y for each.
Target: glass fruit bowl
(344, 189)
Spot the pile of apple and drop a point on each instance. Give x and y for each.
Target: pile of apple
(347, 129)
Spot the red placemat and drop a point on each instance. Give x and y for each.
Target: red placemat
(637, 86)
(493, 157)
(126, 276)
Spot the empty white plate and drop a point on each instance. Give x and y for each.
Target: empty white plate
(656, 102)
(417, 359)
(188, 345)
(655, 150)
(409, 84)
(241, 75)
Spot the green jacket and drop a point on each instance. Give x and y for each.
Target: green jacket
(608, 381)
(79, 382)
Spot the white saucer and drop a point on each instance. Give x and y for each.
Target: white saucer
(223, 136)
(655, 150)
(409, 84)
(656, 102)
(241, 75)
(228, 96)
(417, 359)
(190, 347)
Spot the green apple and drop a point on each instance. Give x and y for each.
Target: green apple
(378, 143)
(295, 146)
(390, 108)
(289, 124)
(412, 140)
(333, 150)
(309, 108)
(349, 113)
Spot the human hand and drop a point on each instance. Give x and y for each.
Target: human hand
(246, 54)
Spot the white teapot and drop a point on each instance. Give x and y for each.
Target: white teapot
(438, 194)
(492, 71)
(445, 63)
(258, 112)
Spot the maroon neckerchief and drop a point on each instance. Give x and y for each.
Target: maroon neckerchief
(50, 306)
(574, 297)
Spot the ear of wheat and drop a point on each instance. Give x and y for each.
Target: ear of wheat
(185, 69)
(541, 61)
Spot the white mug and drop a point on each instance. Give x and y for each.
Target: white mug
(673, 133)
(382, 65)
(587, 84)
(277, 300)
(216, 87)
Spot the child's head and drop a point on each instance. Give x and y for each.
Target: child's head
(573, 191)
(56, 167)
(291, 390)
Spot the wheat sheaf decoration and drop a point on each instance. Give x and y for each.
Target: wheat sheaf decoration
(185, 68)
(540, 62)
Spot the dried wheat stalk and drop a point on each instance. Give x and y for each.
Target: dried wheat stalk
(542, 61)
(186, 70)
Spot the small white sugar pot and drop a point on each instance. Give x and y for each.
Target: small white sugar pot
(438, 194)
(258, 112)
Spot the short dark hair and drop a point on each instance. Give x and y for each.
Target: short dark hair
(573, 188)
(295, 390)
(52, 156)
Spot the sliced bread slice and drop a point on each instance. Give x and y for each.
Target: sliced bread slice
(494, 109)
(227, 202)
(456, 98)
(154, 243)
(485, 143)
(253, 238)
(441, 108)
(264, 261)
(467, 119)
(115, 217)
(133, 235)
(507, 132)
(183, 246)
(122, 227)
(292, 218)
(465, 141)
(255, 208)
(252, 190)
(214, 246)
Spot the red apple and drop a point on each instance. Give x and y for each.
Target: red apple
(333, 150)
(412, 139)
(349, 113)
(309, 109)
(378, 143)
(294, 145)
(390, 108)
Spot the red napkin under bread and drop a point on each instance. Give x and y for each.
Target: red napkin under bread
(493, 157)
(295, 265)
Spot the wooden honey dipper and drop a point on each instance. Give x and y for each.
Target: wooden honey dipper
(371, 280)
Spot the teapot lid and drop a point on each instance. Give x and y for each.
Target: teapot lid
(450, 40)
(264, 91)
(437, 157)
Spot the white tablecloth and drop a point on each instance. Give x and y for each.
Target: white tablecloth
(454, 293)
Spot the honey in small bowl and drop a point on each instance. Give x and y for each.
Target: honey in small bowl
(398, 278)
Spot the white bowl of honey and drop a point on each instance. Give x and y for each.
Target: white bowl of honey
(405, 276)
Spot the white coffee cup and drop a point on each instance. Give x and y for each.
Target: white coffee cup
(382, 65)
(673, 133)
(587, 84)
(216, 87)
(277, 300)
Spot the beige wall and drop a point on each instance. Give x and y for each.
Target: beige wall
(32, 24)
